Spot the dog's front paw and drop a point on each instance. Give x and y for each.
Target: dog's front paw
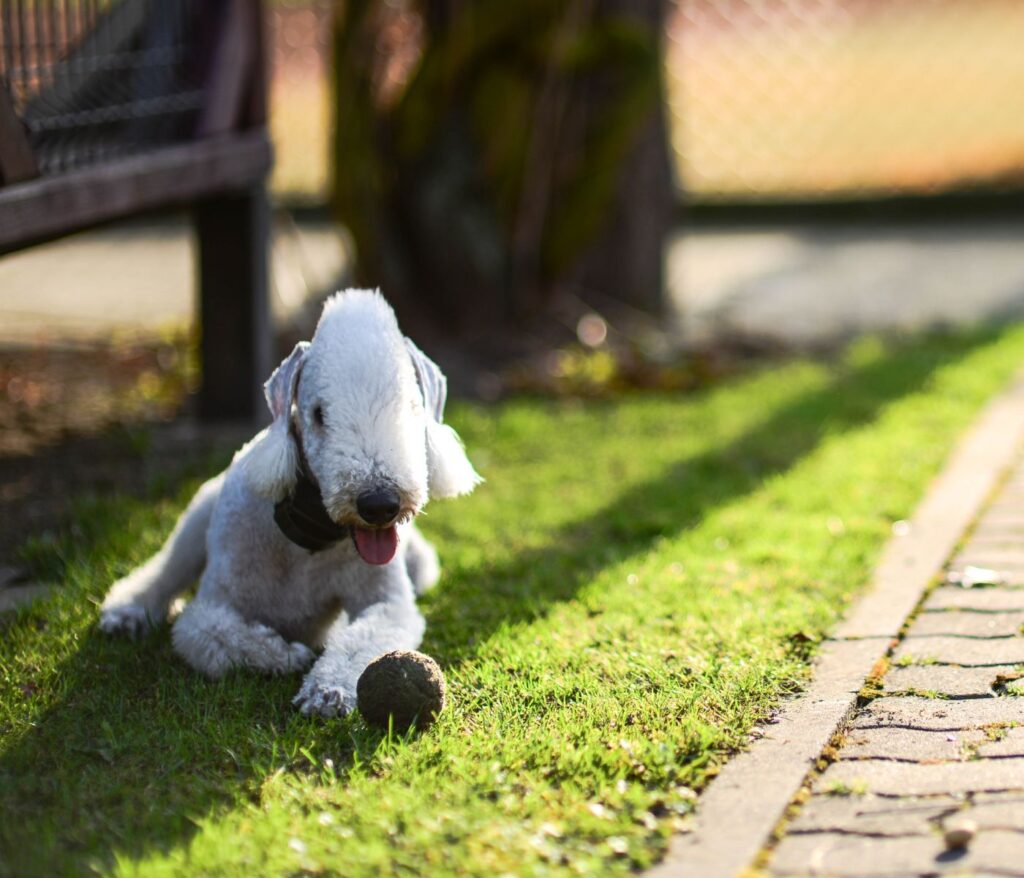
(299, 657)
(126, 620)
(316, 699)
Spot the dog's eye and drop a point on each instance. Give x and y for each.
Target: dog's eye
(318, 416)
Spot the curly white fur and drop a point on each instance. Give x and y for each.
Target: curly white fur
(365, 405)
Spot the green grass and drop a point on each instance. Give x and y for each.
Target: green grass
(633, 589)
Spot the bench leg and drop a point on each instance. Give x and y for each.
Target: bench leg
(232, 231)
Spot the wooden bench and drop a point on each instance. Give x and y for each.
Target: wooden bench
(110, 108)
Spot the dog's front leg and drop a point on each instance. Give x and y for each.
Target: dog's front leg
(381, 620)
(141, 600)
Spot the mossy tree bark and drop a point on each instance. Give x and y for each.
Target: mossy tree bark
(491, 156)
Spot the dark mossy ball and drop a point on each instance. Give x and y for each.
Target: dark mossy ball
(408, 686)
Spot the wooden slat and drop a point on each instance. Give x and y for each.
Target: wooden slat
(49, 207)
(16, 160)
(232, 68)
(234, 313)
(255, 114)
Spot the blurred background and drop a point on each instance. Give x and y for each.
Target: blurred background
(559, 196)
(768, 99)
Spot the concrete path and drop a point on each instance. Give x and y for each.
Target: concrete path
(809, 286)
(941, 751)
(905, 754)
(137, 277)
(790, 285)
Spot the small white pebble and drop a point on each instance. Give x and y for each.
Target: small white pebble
(325, 819)
(971, 577)
(618, 845)
(297, 845)
(959, 833)
(648, 820)
(550, 829)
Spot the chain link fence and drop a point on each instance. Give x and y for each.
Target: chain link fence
(775, 99)
(768, 98)
(791, 98)
(94, 80)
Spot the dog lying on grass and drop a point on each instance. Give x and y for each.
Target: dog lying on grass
(306, 541)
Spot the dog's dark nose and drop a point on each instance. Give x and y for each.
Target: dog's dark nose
(380, 506)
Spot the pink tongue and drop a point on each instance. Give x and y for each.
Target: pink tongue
(376, 545)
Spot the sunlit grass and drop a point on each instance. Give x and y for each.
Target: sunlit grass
(633, 589)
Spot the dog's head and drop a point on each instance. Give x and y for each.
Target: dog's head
(360, 410)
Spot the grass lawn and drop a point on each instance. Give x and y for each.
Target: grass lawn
(625, 599)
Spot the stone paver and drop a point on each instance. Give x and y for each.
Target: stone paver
(1009, 574)
(938, 713)
(911, 745)
(886, 777)
(1002, 513)
(987, 555)
(1008, 743)
(992, 600)
(947, 680)
(961, 651)
(994, 538)
(1006, 502)
(834, 854)
(967, 624)
(874, 815)
(997, 810)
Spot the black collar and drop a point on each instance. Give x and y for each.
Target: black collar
(301, 515)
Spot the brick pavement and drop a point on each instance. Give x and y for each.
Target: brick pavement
(907, 725)
(942, 744)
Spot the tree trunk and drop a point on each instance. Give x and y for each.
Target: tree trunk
(625, 263)
(525, 159)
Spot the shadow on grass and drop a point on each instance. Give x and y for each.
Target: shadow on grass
(123, 769)
(469, 609)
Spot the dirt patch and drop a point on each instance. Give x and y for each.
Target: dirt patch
(92, 420)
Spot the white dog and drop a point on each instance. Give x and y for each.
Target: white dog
(306, 541)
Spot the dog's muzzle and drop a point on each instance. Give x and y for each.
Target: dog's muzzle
(303, 518)
(379, 507)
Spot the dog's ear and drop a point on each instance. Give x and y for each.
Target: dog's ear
(272, 460)
(449, 472)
